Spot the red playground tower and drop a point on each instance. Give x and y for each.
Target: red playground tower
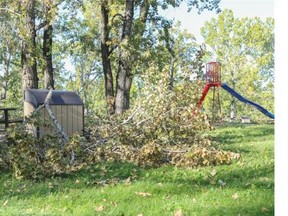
(213, 79)
(213, 74)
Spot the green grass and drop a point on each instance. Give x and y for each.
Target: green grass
(245, 187)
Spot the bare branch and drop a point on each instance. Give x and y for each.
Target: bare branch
(131, 116)
(56, 124)
(41, 25)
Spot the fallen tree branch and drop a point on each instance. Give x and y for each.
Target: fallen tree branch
(56, 124)
(171, 151)
(131, 116)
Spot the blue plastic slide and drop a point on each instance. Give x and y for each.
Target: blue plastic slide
(244, 100)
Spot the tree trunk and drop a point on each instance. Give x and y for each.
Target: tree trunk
(84, 87)
(6, 66)
(28, 52)
(169, 44)
(124, 81)
(199, 65)
(144, 13)
(233, 102)
(124, 77)
(109, 88)
(47, 47)
(171, 82)
(121, 101)
(232, 109)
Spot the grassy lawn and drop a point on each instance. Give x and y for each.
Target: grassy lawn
(242, 188)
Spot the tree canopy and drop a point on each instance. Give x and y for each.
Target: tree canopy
(113, 46)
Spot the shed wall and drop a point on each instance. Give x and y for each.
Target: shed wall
(70, 117)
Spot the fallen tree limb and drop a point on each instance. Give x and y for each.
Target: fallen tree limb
(59, 129)
(56, 124)
(131, 116)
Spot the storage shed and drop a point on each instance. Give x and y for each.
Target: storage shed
(67, 107)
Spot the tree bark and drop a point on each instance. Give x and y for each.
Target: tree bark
(171, 77)
(124, 81)
(109, 88)
(169, 44)
(47, 47)
(198, 63)
(233, 102)
(124, 78)
(144, 8)
(120, 101)
(232, 109)
(6, 66)
(28, 52)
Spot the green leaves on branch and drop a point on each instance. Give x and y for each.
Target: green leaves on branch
(34, 158)
(160, 128)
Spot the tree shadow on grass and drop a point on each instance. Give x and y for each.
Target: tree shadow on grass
(180, 182)
(242, 178)
(98, 175)
(108, 173)
(235, 140)
(113, 173)
(233, 135)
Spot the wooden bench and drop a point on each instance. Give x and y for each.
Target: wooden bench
(6, 119)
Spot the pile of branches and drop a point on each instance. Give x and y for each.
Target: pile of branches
(155, 155)
(32, 157)
(162, 127)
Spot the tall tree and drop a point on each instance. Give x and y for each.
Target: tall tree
(169, 44)
(47, 44)
(7, 44)
(10, 52)
(80, 42)
(105, 54)
(124, 76)
(183, 54)
(134, 16)
(32, 16)
(29, 49)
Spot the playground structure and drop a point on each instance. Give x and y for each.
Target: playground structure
(213, 80)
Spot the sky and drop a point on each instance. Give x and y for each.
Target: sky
(192, 21)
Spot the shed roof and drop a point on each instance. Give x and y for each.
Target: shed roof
(37, 97)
